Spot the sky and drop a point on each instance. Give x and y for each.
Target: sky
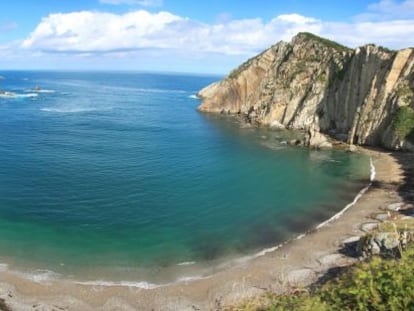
(184, 36)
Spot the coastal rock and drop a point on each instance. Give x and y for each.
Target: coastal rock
(395, 206)
(352, 148)
(301, 276)
(294, 142)
(314, 138)
(334, 260)
(319, 86)
(369, 226)
(381, 243)
(277, 124)
(382, 217)
(351, 240)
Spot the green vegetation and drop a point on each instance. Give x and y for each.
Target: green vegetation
(380, 284)
(322, 77)
(326, 42)
(404, 123)
(405, 93)
(385, 49)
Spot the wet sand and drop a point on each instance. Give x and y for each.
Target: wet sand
(300, 262)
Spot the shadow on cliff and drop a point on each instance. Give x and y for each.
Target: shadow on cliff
(406, 188)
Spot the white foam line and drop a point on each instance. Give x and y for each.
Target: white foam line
(4, 267)
(144, 285)
(356, 199)
(38, 276)
(186, 263)
(41, 276)
(335, 217)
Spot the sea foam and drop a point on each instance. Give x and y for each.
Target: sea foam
(13, 95)
(334, 217)
(71, 109)
(356, 199)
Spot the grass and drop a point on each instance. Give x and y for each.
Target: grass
(380, 284)
(403, 123)
(326, 42)
(405, 93)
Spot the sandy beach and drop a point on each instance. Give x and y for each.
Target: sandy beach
(298, 263)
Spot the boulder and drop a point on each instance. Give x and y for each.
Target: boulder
(352, 148)
(385, 244)
(314, 138)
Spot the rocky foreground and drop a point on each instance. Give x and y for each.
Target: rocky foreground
(361, 96)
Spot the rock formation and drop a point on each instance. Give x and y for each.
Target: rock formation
(362, 96)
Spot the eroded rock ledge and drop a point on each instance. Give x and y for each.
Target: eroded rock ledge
(361, 96)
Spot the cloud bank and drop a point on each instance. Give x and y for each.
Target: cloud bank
(100, 32)
(146, 3)
(140, 39)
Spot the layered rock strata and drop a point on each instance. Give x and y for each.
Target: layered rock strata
(362, 96)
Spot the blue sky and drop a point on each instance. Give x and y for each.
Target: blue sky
(184, 36)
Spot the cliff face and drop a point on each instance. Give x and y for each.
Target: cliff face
(363, 96)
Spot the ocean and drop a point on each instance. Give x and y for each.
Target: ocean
(116, 176)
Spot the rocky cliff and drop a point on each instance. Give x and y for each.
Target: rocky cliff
(362, 96)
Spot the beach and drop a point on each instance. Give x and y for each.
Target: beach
(300, 262)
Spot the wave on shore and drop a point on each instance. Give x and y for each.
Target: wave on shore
(45, 276)
(334, 217)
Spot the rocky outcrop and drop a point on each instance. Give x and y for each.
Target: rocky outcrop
(317, 85)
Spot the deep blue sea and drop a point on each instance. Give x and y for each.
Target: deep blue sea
(108, 175)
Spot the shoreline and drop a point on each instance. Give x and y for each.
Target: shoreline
(278, 268)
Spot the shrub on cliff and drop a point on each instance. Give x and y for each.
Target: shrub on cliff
(404, 123)
(380, 284)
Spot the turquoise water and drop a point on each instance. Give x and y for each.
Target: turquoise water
(117, 175)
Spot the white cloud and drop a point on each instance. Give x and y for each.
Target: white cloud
(153, 39)
(99, 32)
(88, 31)
(393, 34)
(146, 3)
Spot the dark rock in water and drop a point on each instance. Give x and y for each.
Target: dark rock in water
(295, 142)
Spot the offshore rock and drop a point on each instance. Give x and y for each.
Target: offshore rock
(319, 86)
